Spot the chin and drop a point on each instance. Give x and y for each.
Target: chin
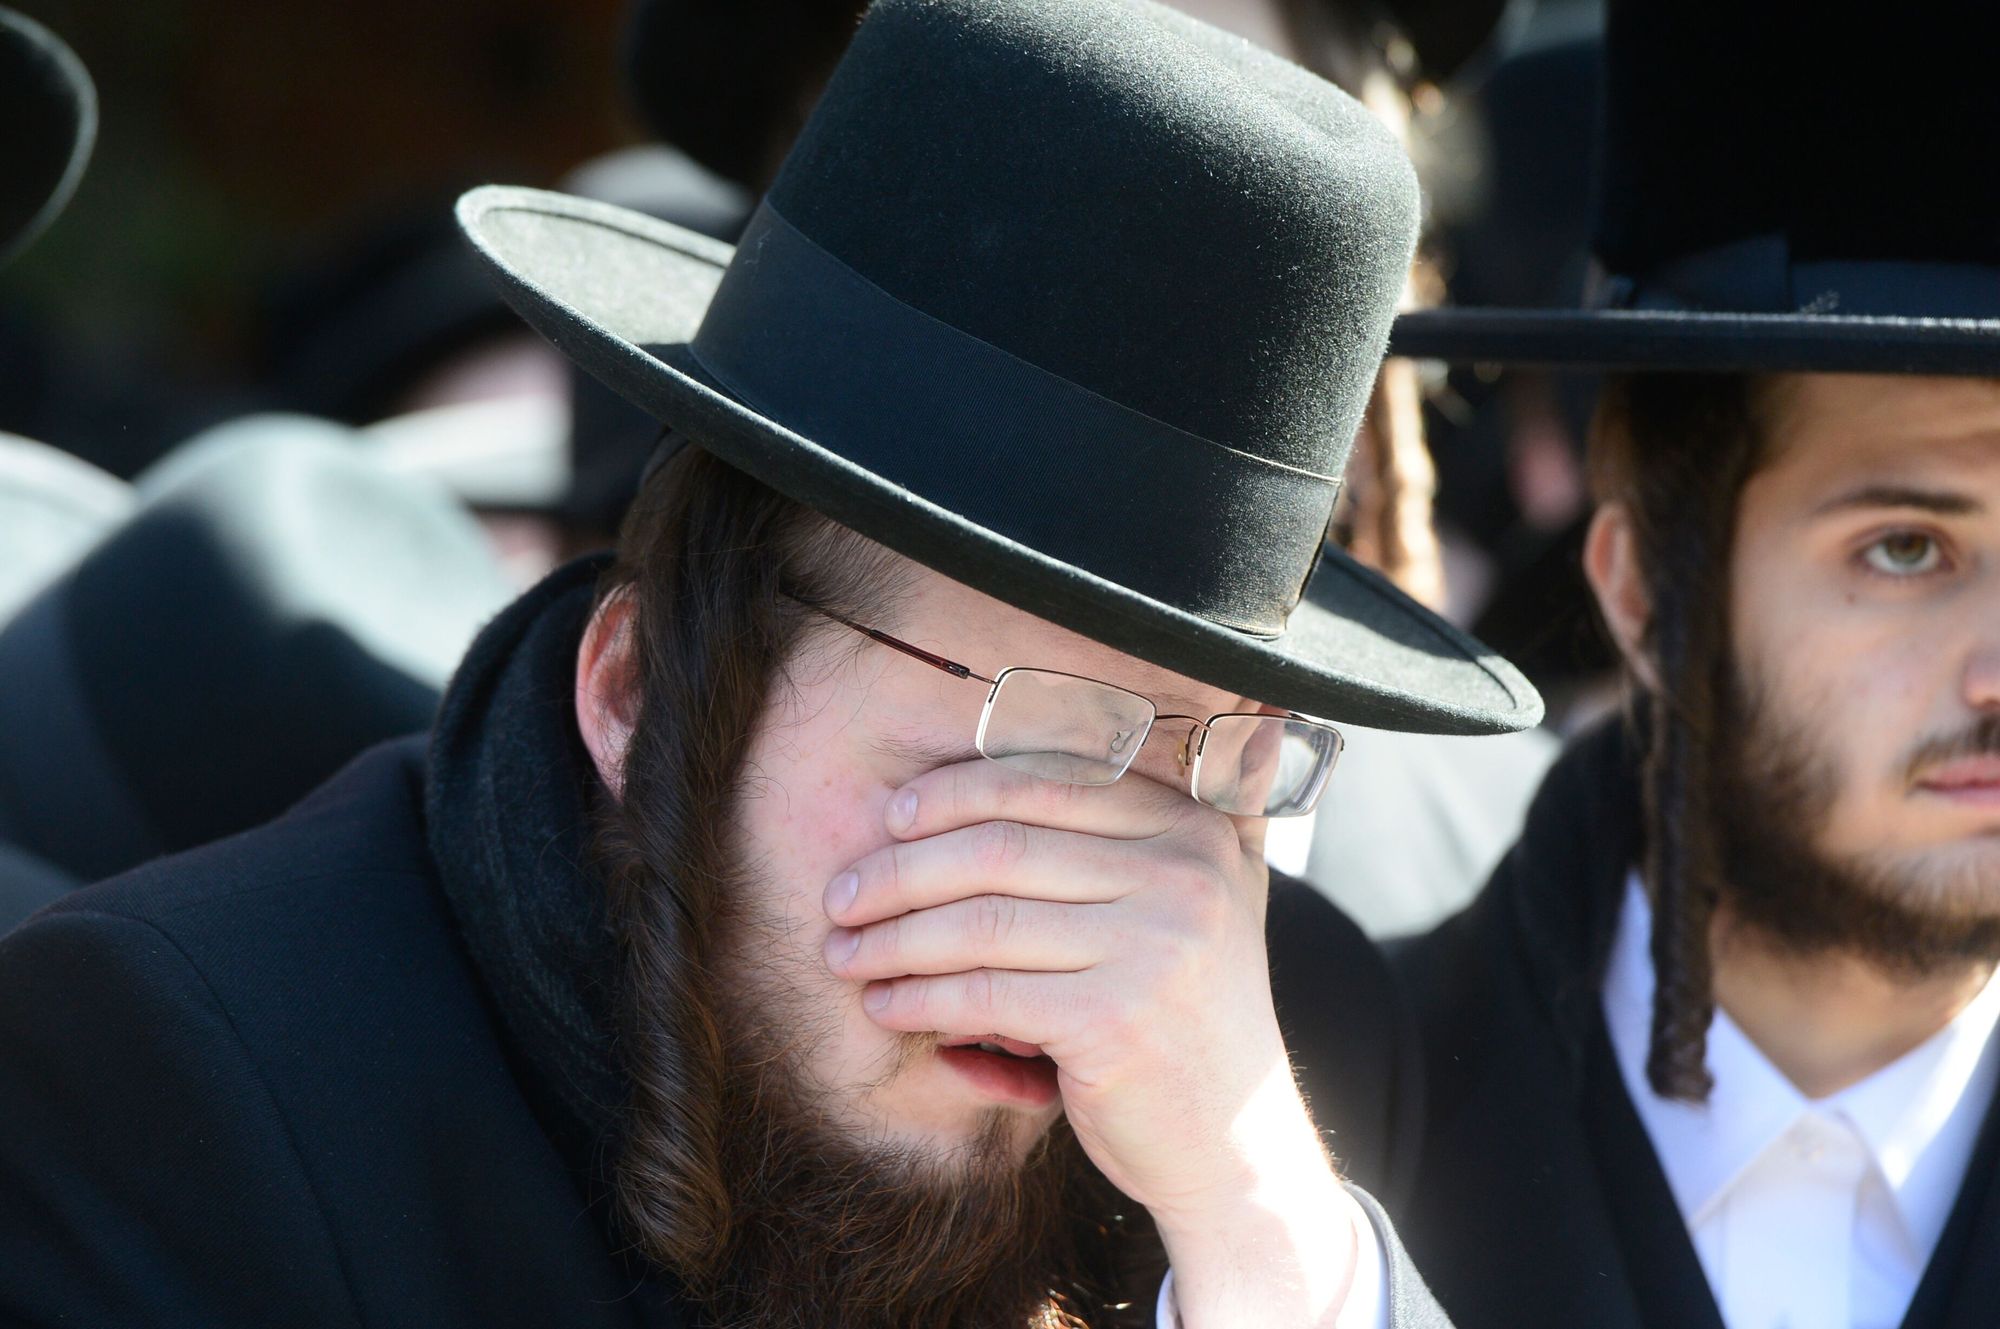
(1958, 879)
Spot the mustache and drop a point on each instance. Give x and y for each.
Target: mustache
(1980, 739)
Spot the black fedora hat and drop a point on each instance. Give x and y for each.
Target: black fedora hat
(277, 603)
(48, 121)
(1075, 301)
(1780, 188)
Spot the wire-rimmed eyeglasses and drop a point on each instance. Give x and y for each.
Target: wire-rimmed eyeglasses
(1079, 730)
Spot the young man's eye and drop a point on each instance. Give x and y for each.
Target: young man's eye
(1904, 554)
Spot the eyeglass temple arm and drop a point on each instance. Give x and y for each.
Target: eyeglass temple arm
(952, 667)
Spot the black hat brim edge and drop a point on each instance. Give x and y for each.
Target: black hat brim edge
(1357, 650)
(83, 93)
(1673, 341)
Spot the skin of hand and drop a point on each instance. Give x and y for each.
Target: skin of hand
(1121, 929)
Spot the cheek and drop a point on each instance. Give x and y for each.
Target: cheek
(810, 813)
(1858, 679)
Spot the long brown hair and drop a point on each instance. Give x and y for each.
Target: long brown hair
(713, 561)
(1675, 450)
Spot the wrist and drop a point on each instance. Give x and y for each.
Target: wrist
(1285, 1258)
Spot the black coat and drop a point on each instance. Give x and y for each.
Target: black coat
(265, 1083)
(1538, 1198)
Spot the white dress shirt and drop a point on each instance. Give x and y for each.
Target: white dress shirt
(1807, 1213)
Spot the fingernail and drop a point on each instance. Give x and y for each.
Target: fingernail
(903, 810)
(875, 997)
(840, 893)
(841, 944)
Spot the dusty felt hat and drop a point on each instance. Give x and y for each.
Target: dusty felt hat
(1077, 302)
(1779, 190)
(277, 603)
(48, 121)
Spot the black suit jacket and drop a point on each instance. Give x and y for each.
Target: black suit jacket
(1538, 1199)
(261, 1084)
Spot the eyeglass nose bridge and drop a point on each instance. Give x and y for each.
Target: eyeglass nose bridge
(1190, 748)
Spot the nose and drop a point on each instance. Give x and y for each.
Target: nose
(1982, 675)
(1168, 752)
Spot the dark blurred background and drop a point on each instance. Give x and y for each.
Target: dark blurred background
(244, 143)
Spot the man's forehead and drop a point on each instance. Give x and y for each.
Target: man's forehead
(1835, 431)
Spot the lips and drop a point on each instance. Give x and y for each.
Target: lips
(1013, 1047)
(1966, 774)
(1004, 1070)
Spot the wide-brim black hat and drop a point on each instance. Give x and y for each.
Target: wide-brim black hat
(1778, 190)
(1077, 302)
(48, 121)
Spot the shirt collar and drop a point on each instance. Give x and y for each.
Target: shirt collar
(1918, 1115)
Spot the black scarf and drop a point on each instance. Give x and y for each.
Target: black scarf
(509, 804)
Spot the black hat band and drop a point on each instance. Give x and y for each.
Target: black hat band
(801, 337)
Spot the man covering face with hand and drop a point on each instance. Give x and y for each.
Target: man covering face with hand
(847, 906)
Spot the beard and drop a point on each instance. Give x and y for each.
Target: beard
(817, 1228)
(829, 1230)
(1913, 916)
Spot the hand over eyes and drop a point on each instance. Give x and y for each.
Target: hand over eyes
(1121, 929)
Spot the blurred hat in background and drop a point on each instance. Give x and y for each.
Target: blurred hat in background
(278, 602)
(1778, 191)
(52, 508)
(48, 122)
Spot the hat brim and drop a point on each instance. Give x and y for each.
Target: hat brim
(622, 294)
(1641, 340)
(57, 103)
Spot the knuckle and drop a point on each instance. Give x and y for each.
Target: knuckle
(982, 990)
(894, 870)
(999, 845)
(881, 942)
(993, 918)
(910, 999)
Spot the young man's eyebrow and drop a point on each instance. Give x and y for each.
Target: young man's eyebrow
(1943, 503)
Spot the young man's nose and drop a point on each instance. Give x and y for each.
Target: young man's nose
(1982, 673)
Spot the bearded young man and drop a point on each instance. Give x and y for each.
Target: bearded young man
(1716, 1047)
(847, 907)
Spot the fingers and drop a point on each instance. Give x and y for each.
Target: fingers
(984, 932)
(993, 857)
(950, 797)
(1033, 1008)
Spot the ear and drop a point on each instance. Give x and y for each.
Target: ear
(607, 690)
(1611, 562)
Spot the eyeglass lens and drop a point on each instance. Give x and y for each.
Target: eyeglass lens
(1264, 765)
(1062, 727)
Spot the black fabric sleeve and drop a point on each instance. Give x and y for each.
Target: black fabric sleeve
(1352, 1039)
(1411, 1305)
(146, 1176)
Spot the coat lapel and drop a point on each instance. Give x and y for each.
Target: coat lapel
(1668, 1284)
(1961, 1285)
(1511, 1218)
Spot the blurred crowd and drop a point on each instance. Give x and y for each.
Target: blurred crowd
(272, 447)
